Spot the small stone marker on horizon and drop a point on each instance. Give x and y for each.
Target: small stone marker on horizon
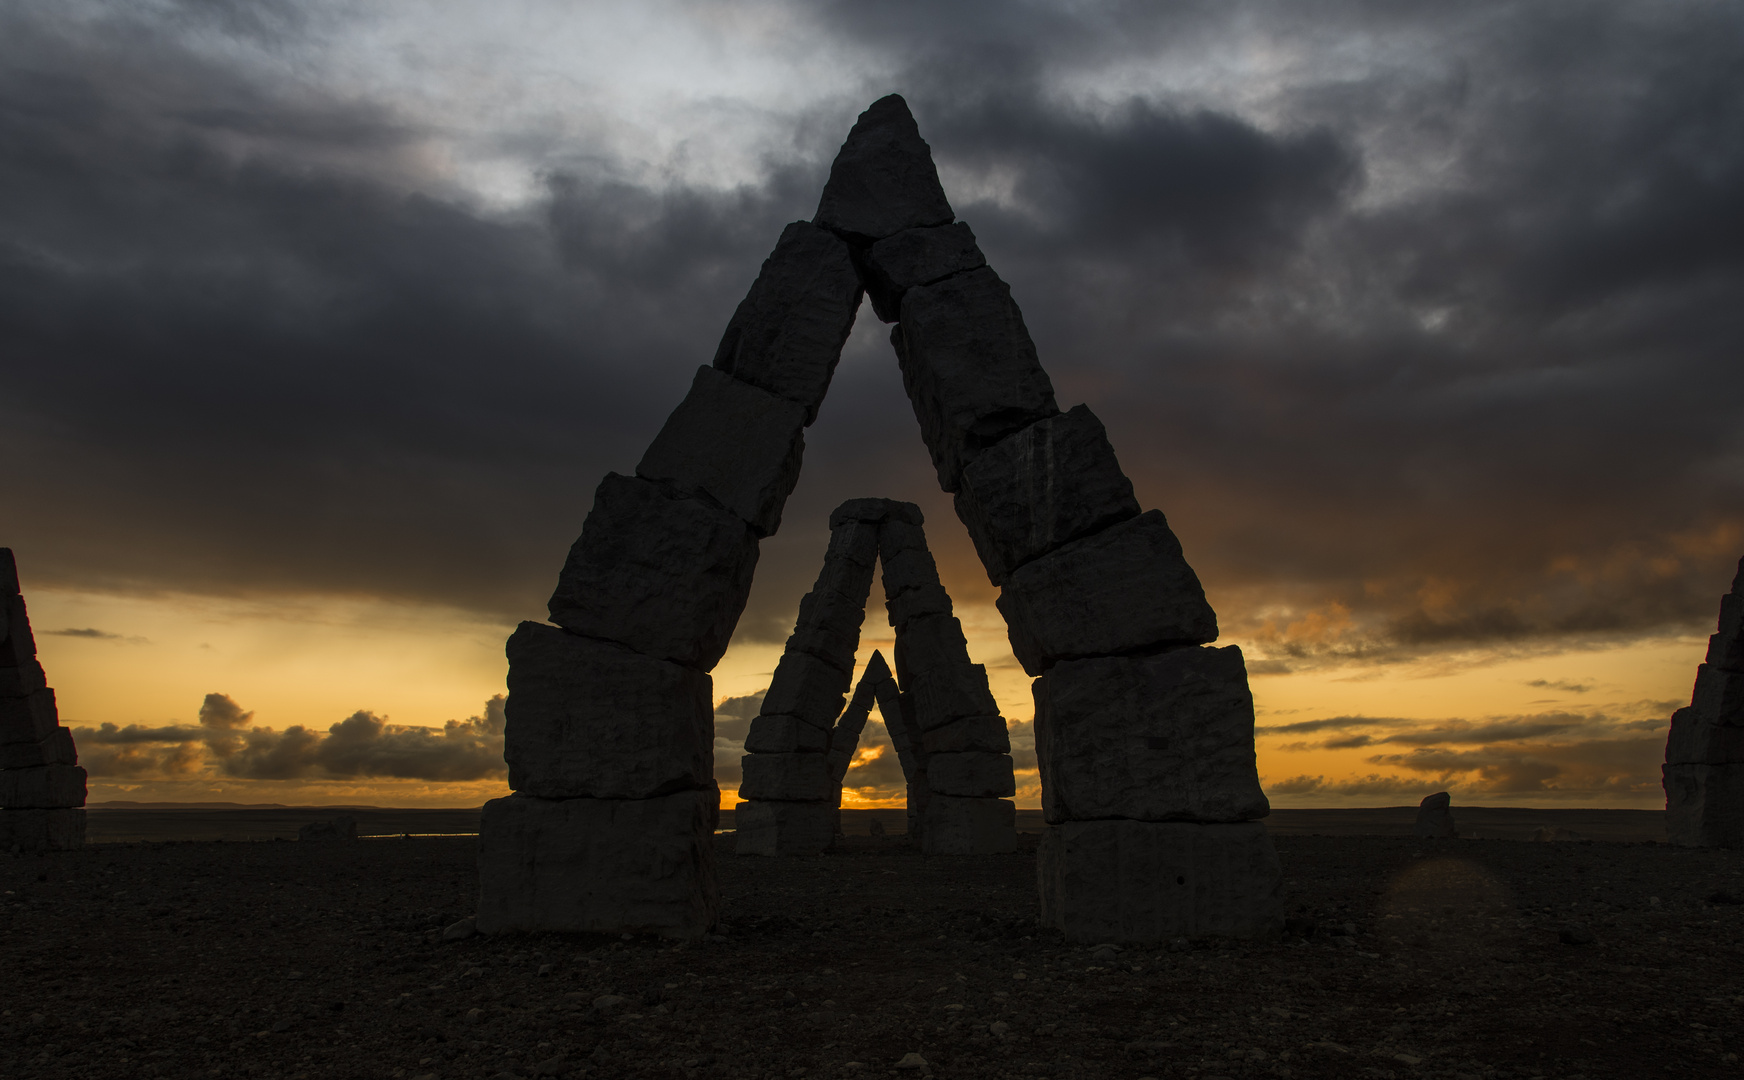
(42, 787)
(1435, 816)
(1144, 735)
(1704, 751)
(946, 728)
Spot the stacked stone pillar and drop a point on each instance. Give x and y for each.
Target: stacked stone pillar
(1704, 754)
(609, 734)
(1144, 736)
(42, 787)
(946, 728)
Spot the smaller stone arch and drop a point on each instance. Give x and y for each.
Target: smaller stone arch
(946, 727)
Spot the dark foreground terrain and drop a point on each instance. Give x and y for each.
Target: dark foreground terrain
(1464, 958)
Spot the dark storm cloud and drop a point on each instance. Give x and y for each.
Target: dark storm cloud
(362, 746)
(1432, 355)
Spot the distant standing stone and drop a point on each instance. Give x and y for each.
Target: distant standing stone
(1435, 816)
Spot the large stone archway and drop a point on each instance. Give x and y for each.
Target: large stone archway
(1145, 737)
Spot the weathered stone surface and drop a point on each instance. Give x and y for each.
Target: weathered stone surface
(1696, 740)
(56, 829)
(1123, 590)
(1719, 695)
(917, 603)
(17, 646)
(845, 736)
(783, 828)
(896, 537)
(1152, 738)
(785, 735)
(929, 643)
(28, 719)
(1704, 805)
(1726, 646)
(808, 688)
(984, 733)
(601, 865)
(1040, 488)
(668, 577)
(829, 627)
(738, 445)
(787, 334)
(945, 694)
(57, 749)
(911, 569)
(1435, 816)
(883, 180)
(855, 542)
(8, 574)
(913, 257)
(971, 774)
(1151, 881)
(876, 511)
(897, 711)
(22, 681)
(969, 367)
(785, 777)
(587, 718)
(42, 787)
(955, 826)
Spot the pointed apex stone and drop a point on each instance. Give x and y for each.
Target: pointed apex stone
(876, 669)
(1737, 582)
(883, 180)
(9, 574)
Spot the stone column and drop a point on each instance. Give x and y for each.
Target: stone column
(609, 734)
(42, 787)
(845, 736)
(1145, 737)
(1704, 753)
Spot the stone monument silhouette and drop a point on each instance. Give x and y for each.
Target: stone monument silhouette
(42, 788)
(1144, 735)
(1704, 752)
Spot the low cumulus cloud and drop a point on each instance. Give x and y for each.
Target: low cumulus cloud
(227, 743)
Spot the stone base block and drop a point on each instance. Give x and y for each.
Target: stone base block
(28, 719)
(785, 735)
(808, 688)
(785, 777)
(60, 829)
(956, 826)
(44, 786)
(1149, 881)
(784, 828)
(1704, 805)
(601, 865)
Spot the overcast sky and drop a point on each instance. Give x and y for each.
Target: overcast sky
(1422, 323)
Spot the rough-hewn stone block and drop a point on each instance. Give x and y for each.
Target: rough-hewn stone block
(876, 512)
(785, 735)
(1123, 590)
(808, 688)
(8, 574)
(969, 367)
(829, 627)
(895, 537)
(1435, 817)
(971, 774)
(956, 826)
(1696, 740)
(1726, 646)
(787, 334)
(1040, 488)
(882, 180)
(1704, 805)
(925, 644)
(601, 865)
(783, 828)
(57, 749)
(1719, 695)
(54, 829)
(1151, 881)
(919, 603)
(909, 570)
(913, 257)
(587, 718)
(17, 645)
(950, 693)
(984, 733)
(785, 777)
(668, 577)
(28, 719)
(1152, 738)
(738, 445)
(22, 681)
(42, 787)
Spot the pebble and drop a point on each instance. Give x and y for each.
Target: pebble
(1576, 935)
(460, 931)
(607, 1001)
(912, 1060)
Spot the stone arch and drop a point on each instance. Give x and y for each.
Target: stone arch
(952, 742)
(1144, 736)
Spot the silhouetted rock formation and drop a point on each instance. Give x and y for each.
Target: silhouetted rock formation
(958, 788)
(42, 787)
(1704, 753)
(1435, 816)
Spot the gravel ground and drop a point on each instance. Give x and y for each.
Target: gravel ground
(1467, 958)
